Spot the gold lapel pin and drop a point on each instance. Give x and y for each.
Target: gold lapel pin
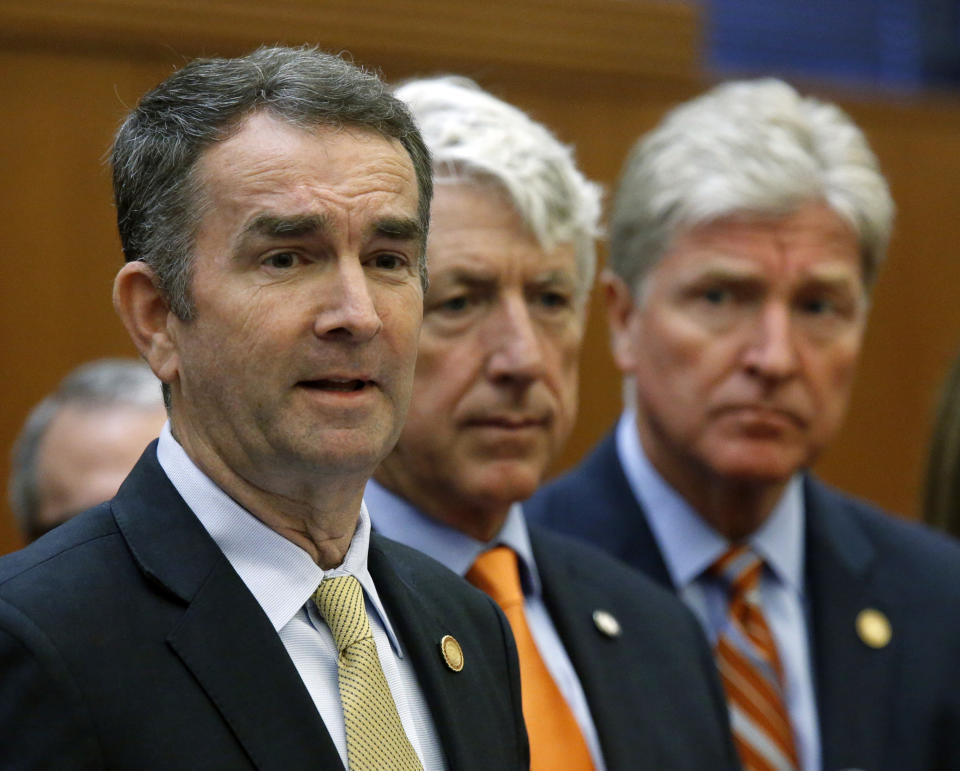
(452, 652)
(607, 623)
(873, 628)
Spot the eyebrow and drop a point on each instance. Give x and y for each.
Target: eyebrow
(273, 226)
(404, 228)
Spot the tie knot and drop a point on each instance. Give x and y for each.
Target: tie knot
(496, 573)
(738, 569)
(340, 602)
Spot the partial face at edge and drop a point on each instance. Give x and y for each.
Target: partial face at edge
(84, 455)
(495, 391)
(744, 345)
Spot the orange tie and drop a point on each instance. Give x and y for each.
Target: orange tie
(750, 669)
(555, 738)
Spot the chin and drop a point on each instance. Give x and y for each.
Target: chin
(508, 483)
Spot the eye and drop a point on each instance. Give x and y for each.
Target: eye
(282, 260)
(550, 299)
(816, 306)
(716, 295)
(455, 304)
(389, 261)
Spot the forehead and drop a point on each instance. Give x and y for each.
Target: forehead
(268, 158)
(475, 228)
(812, 243)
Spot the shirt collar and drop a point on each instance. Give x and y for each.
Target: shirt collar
(400, 520)
(281, 576)
(688, 544)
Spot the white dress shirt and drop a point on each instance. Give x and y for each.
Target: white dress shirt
(397, 519)
(282, 577)
(689, 546)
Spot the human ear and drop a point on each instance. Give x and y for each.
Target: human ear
(621, 319)
(145, 312)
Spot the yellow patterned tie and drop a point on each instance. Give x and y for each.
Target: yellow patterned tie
(375, 735)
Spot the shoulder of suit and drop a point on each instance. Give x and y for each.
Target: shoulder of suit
(80, 533)
(907, 549)
(624, 585)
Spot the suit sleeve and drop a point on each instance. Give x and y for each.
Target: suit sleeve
(43, 721)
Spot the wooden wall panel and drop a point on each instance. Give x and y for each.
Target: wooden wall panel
(599, 72)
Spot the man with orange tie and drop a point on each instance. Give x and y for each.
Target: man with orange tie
(615, 674)
(746, 235)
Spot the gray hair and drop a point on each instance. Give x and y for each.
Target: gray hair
(746, 147)
(159, 198)
(474, 136)
(94, 385)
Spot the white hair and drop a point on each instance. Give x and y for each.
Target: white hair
(754, 148)
(474, 136)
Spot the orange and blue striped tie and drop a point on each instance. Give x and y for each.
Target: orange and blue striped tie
(750, 668)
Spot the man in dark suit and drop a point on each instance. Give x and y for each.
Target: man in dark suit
(229, 608)
(615, 672)
(746, 235)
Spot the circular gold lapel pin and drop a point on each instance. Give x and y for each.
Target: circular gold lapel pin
(607, 623)
(452, 653)
(873, 628)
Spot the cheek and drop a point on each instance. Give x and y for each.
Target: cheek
(564, 360)
(446, 370)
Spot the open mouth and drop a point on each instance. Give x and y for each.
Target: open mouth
(335, 385)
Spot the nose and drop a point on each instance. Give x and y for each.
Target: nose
(516, 354)
(348, 309)
(771, 353)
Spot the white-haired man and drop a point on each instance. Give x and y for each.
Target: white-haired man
(746, 234)
(615, 673)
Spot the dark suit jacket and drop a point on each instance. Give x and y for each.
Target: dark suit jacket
(896, 708)
(127, 641)
(653, 691)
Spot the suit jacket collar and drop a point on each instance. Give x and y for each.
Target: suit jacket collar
(228, 643)
(223, 636)
(853, 681)
(618, 518)
(572, 596)
(421, 631)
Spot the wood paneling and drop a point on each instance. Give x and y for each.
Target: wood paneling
(599, 72)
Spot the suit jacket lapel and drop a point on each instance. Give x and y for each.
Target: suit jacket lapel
(421, 631)
(571, 598)
(618, 523)
(223, 638)
(852, 680)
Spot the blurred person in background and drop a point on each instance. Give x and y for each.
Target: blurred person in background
(615, 672)
(746, 235)
(80, 442)
(941, 504)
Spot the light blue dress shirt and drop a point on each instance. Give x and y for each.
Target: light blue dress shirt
(396, 518)
(689, 546)
(282, 577)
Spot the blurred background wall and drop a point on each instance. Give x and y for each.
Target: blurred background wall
(599, 72)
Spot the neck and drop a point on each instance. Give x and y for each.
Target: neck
(479, 519)
(317, 512)
(734, 507)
